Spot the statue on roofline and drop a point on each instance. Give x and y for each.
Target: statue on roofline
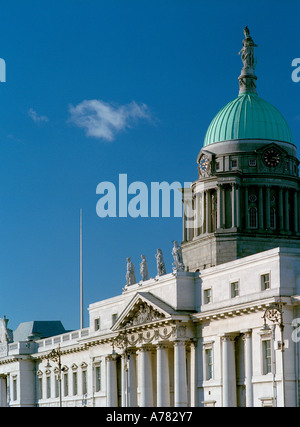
(130, 274)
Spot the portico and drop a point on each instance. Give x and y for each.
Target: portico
(155, 355)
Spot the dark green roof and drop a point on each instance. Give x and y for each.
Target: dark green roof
(38, 330)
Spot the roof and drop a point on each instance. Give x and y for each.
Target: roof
(248, 117)
(38, 329)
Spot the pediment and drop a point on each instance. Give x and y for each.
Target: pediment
(207, 152)
(271, 145)
(143, 308)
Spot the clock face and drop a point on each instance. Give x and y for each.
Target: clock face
(204, 165)
(271, 157)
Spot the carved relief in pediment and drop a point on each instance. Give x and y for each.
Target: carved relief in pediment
(142, 313)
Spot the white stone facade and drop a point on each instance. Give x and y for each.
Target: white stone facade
(183, 339)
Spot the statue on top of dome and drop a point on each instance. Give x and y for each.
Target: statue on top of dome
(247, 52)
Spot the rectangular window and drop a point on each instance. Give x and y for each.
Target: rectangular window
(48, 384)
(97, 324)
(207, 296)
(40, 387)
(265, 282)
(75, 383)
(56, 386)
(235, 289)
(66, 384)
(14, 390)
(98, 378)
(114, 318)
(267, 357)
(84, 382)
(234, 163)
(252, 163)
(208, 364)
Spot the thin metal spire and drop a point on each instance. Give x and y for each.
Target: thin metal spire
(81, 274)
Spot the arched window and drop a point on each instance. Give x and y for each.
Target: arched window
(252, 217)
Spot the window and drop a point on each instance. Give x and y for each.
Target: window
(97, 324)
(207, 296)
(267, 356)
(56, 386)
(217, 166)
(40, 387)
(235, 289)
(66, 384)
(75, 383)
(208, 364)
(84, 382)
(14, 388)
(48, 386)
(252, 163)
(114, 317)
(253, 217)
(265, 282)
(98, 377)
(234, 163)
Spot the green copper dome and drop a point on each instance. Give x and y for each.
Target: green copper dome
(248, 117)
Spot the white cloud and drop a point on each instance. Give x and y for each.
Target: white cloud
(102, 120)
(35, 117)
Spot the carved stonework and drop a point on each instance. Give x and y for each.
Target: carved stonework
(248, 77)
(144, 314)
(4, 337)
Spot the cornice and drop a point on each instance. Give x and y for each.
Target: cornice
(239, 309)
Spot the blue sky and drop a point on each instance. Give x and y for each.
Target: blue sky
(157, 72)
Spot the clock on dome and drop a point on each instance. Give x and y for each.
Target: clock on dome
(271, 157)
(204, 165)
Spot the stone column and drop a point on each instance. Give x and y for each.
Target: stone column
(287, 215)
(112, 389)
(219, 207)
(296, 219)
(268, 207)
(233, 205)
(229, 372)
(184, 215)
(180, 377)
(281, 210)
(246, 208)
(224, 207)
(146, 381)
(190, 219)
(202, 209)
(124, 381)
(261, 207)
(132, 385)
(3, 391)
(207, 211)
(197, 215)
(163, 376)
(238, 206)
(248, 368)
(193, 380)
